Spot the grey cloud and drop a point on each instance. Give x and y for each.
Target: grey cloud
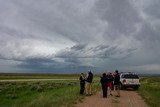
(36, 64)
(152, 9)
(149, 28)
(100, 51)
(77, 35)
(61, 17)
(100, 47)
(75, 57)
(78, 47)
(41, 64)
(120, 15)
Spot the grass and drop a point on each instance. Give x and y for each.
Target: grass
(5, 76)
(39, 94)
(59, 93)
(42, 93)
(150, 90)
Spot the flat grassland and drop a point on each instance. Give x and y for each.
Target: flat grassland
(57, 93)
(50, 93)
(150, 90)
(5, 76)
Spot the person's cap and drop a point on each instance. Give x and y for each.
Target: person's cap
(116, 71)
(104, 74)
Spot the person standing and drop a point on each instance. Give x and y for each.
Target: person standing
(89, 80)
(82, 83)
(117, 83)
(110, 83)
(104, 83)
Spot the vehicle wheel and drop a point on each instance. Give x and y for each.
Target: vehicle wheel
(135, 88)
(122, 87)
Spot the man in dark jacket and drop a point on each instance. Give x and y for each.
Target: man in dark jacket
(104, 81)
(117, 83)
(82, 83)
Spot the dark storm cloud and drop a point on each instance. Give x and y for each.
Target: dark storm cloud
(75, 57)
(70, 65)
(100, 51)
(152, 9)
(62, 17)
(120, 15)
(75, 35)
(78, 47)
(38, 63)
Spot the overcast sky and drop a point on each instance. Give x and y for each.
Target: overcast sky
(72, 36)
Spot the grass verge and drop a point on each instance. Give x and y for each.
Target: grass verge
(42, 93)
(39, 94)
(150, 90)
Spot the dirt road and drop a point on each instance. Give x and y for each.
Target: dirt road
(129, 98)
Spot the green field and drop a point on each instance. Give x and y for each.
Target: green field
(6, 76)
(41, 93)
(57, 93)
(150, 90)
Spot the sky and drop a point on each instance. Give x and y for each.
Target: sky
(73, 36)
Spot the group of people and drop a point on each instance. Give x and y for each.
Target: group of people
(86, 83)
(109, 81)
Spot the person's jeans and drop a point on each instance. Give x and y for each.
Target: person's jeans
(88, 88)
(82, 87)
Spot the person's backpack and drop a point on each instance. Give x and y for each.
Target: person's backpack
(90, 77)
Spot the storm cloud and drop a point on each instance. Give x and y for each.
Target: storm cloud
(77, 35)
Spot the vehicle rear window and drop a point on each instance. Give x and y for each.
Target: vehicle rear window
(130, 76)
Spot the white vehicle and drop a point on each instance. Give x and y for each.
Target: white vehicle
(129, 80)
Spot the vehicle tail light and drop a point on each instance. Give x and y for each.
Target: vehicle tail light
(124, 81)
